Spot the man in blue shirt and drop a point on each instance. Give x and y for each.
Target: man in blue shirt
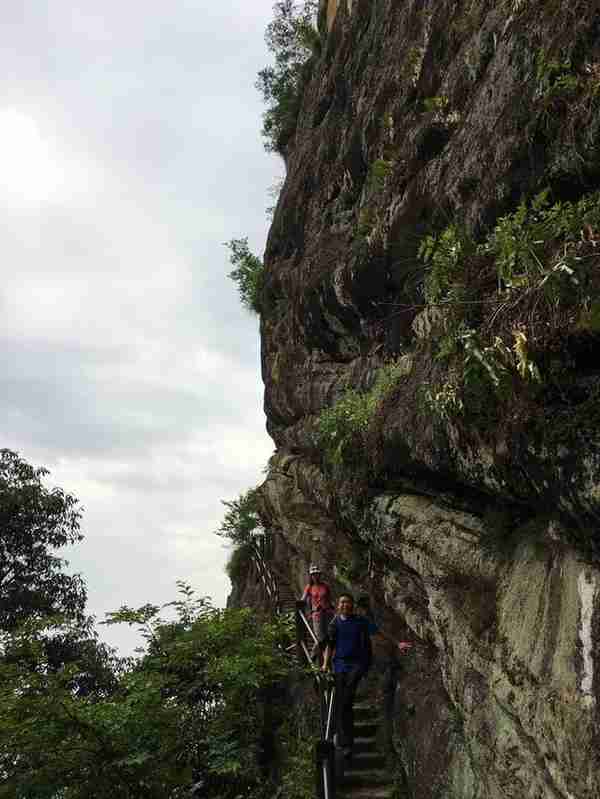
(349, 642)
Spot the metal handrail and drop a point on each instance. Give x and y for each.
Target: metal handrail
(324, 749)
(306, 624)
(266, 575)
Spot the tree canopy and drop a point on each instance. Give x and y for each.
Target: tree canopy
(197, 708)
(192, 709)
(35, 522)
(241, 519)
(248, 273)
(292, 38)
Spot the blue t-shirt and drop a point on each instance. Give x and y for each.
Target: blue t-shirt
(352, 642)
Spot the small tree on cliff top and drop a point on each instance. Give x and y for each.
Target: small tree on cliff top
(292, 39)
(241, 519)
(247, 274)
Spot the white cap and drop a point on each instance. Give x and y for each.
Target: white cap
(314, 569)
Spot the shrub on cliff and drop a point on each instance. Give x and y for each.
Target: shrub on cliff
(238, 563)
(241, 519)
(515, 303)
(292, 39)
(343, 427)
(248, 273)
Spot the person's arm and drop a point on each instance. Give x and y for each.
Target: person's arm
(305, 594)
(403, 646)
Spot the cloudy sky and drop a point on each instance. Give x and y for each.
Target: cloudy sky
(130, 150)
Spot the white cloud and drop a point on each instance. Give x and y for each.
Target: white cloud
(129, 152)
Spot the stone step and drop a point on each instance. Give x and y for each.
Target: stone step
(365, 778)
(365, 729)
(366, 713)
(367, 760)
(365, 744)
(359, 792)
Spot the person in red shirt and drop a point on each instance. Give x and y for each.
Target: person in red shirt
(319, 606)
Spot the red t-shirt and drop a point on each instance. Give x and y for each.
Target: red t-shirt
(320, 597)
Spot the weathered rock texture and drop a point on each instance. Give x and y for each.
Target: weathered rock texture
(480, 540)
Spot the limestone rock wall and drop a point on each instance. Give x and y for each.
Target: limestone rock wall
(480, 543)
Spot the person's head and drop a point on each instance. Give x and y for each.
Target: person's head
(345, 605)
(314, 573)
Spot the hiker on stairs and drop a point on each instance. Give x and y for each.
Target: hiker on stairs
(319, 607)
(349, 644)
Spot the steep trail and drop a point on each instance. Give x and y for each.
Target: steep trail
(366, 776)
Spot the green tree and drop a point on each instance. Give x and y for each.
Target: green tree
(248, 273)
(35, 522)
(292, 38)
(241, 519)
(193, 707)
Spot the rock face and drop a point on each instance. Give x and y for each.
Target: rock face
(474, 531)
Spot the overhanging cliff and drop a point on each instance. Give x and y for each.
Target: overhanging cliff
(430, 332)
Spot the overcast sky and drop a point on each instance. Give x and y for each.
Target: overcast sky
(130, 150)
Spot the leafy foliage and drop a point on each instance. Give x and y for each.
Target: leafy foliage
(486, 371)
(191, 708)
(248, 273)
(437, 103)
(343, 426)
(510, 299)
(35, 522)
(522, 241)
(378, 172)
(241, 520)
(555, 77)
(297, 738)
(445, 255)
(238, 563)
(445, 401)
(292, 39)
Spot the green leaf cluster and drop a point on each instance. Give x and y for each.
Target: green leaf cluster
(241, 522)
(343, 427)
(248, 274)
(292, 38)
(484, 371)
(445, 256)
(522, 242)
(555, 76)
(35, 522)
(191, 707)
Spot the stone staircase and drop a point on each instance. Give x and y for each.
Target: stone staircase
(365, 776)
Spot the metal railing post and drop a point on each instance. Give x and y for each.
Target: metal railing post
(325, 771)
(299, 629)
(324, 748)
